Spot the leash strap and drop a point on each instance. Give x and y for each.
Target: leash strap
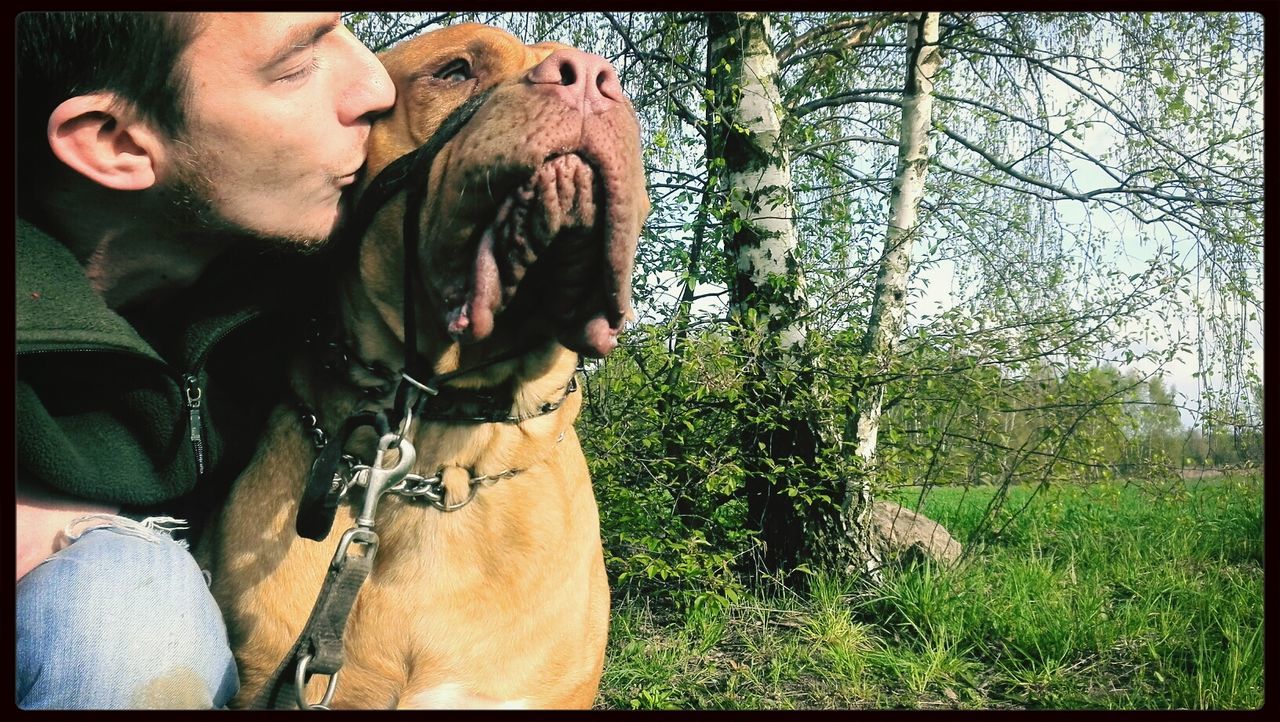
(320, 497)
(319, 647)
(393, 179)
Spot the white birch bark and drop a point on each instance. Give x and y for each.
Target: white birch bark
(760, 191)
(751, 164)
(889, 308)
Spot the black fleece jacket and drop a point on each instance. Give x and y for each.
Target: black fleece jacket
(160, 409)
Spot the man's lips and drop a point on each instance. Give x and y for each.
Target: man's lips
(347, 179)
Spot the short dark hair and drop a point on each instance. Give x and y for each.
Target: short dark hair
(135, 55)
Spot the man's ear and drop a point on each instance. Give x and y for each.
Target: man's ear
(104, 140)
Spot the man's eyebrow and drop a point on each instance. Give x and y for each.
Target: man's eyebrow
(301, 37)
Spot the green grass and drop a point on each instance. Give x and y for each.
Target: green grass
(1106, 597)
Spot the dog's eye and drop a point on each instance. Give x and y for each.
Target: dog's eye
(458, 71)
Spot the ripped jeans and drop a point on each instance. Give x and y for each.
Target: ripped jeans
(121, 618)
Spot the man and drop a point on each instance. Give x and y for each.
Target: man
(150, 146)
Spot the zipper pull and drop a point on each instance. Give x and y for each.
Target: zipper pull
(193, 409)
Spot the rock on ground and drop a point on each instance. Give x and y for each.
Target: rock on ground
(902, 536)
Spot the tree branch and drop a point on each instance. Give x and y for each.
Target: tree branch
(861, 30)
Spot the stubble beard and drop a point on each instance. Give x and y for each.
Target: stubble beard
(192, 205)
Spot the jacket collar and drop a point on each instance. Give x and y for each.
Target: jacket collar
(57, 309)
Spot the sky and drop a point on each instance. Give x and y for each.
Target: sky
(938, 287)
(939, 284)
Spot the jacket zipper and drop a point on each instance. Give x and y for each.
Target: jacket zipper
(190, 382)
(192, 389)
(191, 386)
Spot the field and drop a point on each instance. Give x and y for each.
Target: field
(1106, 597)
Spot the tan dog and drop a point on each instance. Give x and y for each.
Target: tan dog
(503, 603)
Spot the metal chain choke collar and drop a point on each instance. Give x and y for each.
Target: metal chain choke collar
(414, 487)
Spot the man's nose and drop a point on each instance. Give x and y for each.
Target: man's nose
(579, 78)
(370, 90)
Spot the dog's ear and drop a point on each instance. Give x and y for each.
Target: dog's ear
(99, 136)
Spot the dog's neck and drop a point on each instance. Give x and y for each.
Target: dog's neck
(367, 332)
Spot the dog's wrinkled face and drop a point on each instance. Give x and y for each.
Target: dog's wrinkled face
(534, 208)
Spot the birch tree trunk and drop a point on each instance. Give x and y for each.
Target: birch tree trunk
(749, 160)
(756, 177)
(888, 311)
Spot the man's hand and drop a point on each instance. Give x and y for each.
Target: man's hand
(41, 516)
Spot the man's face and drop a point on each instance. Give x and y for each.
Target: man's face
(277, 114)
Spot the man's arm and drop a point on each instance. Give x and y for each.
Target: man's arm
(42, 514)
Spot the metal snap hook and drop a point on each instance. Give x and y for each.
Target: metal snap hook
(300, 682)
(381, 479)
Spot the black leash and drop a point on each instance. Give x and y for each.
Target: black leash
(320, 497)
(318, 649)
(394, 178)
(325, 482)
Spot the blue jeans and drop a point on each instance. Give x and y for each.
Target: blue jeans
(122, 618)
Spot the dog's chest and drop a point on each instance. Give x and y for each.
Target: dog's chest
(451, 695)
